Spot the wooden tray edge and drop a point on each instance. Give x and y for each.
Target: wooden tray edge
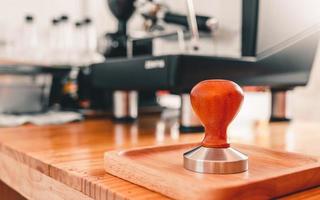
(244, 189)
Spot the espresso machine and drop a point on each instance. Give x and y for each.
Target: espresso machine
(279, 62)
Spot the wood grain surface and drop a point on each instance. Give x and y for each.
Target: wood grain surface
(32, 184)
(71, 155)
(160, 168)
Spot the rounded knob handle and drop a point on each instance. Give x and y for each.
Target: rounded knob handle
(216, 103)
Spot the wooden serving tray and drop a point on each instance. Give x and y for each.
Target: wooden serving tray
(160, 168)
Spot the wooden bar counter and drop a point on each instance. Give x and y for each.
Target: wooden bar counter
(66, 161)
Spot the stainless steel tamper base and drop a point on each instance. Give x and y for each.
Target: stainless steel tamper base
(215, 160)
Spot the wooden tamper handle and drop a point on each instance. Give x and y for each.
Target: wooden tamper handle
(216, 103)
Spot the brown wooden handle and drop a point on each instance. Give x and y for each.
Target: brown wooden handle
(216, 102)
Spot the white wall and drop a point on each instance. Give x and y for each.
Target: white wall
(13, 11)
(278, 22)
(305, 101)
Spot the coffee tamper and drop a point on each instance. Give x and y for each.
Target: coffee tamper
(216, 103)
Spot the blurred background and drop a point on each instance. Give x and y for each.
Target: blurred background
(64, 56)
(45, 16)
